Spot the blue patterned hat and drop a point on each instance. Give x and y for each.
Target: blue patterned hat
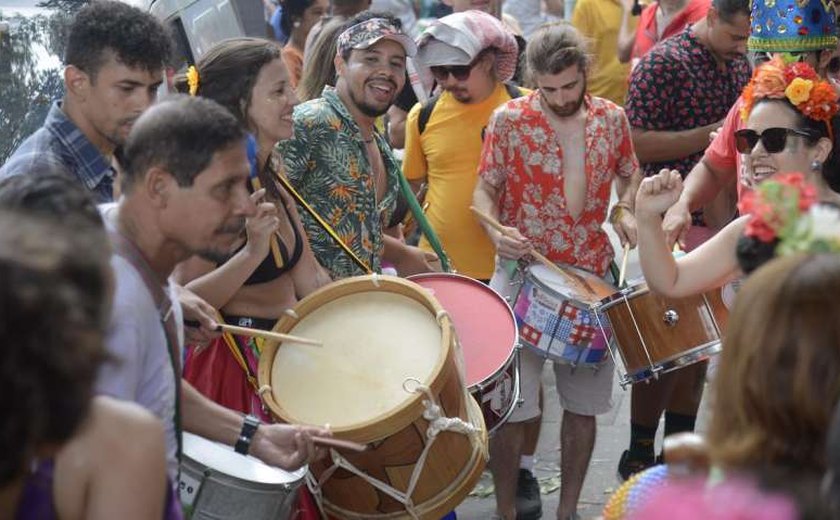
(792, 25)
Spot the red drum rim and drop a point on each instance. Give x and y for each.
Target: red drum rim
(481, 332)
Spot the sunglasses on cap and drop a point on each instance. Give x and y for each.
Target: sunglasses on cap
(774, 140)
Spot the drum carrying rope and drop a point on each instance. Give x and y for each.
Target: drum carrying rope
(438, 423)
(607, 339)
(653, 369)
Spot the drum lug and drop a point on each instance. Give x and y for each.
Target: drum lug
(671, 317)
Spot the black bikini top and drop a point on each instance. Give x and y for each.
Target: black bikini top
(268, 270)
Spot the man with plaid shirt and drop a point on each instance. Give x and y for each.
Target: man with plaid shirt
(113, 67)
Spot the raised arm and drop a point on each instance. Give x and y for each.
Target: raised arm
(709, 266)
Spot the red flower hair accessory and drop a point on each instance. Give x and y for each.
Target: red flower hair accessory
(776, 205)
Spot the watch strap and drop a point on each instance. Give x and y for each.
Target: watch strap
(249, 428)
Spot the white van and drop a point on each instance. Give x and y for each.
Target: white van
(199, 24)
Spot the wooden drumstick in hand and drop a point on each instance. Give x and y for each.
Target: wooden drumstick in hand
(256, 333)
(623, 270)
(493, 223)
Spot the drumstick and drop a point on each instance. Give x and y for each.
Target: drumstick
(265, 334)
(623, 270)
(275, 248)
(493, 223)
(341, 444)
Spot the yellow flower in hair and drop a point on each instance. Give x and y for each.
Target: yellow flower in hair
(192, 80)
(799, 90)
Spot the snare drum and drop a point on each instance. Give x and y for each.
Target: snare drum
(554, 316)
(389, 375)
(487, 331)
(656, 335)
(216, 482)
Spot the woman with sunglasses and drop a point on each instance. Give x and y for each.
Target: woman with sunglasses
(790, 127)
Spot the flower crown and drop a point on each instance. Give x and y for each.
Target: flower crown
(796, 82)
(193, 80)
(785, 209)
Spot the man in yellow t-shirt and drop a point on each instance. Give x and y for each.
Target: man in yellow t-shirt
(470, 54)
(600, 22)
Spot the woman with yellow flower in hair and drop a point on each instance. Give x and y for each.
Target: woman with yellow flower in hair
(791, 126)
(274, 265)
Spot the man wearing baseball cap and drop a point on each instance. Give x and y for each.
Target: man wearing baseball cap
(341, 165)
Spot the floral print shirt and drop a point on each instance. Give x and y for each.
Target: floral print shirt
(522, 154)
(679, 85)
(327, 163)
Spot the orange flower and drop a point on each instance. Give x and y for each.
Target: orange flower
(799, 90)
(769, 80)
(341, 192)
(747, 101)
(822, 104)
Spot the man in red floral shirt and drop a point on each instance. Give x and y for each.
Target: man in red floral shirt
(546, 172)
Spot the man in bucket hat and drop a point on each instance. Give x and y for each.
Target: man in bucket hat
(471, 55)
(341, 165)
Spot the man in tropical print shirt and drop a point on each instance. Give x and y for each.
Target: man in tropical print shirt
(341, 165)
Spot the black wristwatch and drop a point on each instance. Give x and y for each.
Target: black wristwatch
(249, 427)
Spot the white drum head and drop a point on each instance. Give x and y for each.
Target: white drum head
(580, 286)
(225, 460)
(373, 341)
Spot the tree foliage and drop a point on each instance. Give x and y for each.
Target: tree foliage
(63, 6)
(27, 85)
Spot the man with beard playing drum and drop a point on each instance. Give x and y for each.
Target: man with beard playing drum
(546, 171)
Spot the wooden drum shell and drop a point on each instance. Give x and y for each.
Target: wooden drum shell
(697, 328)
(395, 439)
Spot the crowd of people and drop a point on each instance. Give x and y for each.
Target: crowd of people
(359, 140)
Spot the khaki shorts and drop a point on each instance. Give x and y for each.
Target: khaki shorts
(582, 390)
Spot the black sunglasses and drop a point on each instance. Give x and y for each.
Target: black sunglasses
(773, 139)
(459, 72)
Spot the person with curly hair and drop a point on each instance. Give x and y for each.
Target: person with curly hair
(67, 453)
(791, 126)
(114, 63)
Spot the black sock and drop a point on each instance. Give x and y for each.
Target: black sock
(641, 441)
(677, 422)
